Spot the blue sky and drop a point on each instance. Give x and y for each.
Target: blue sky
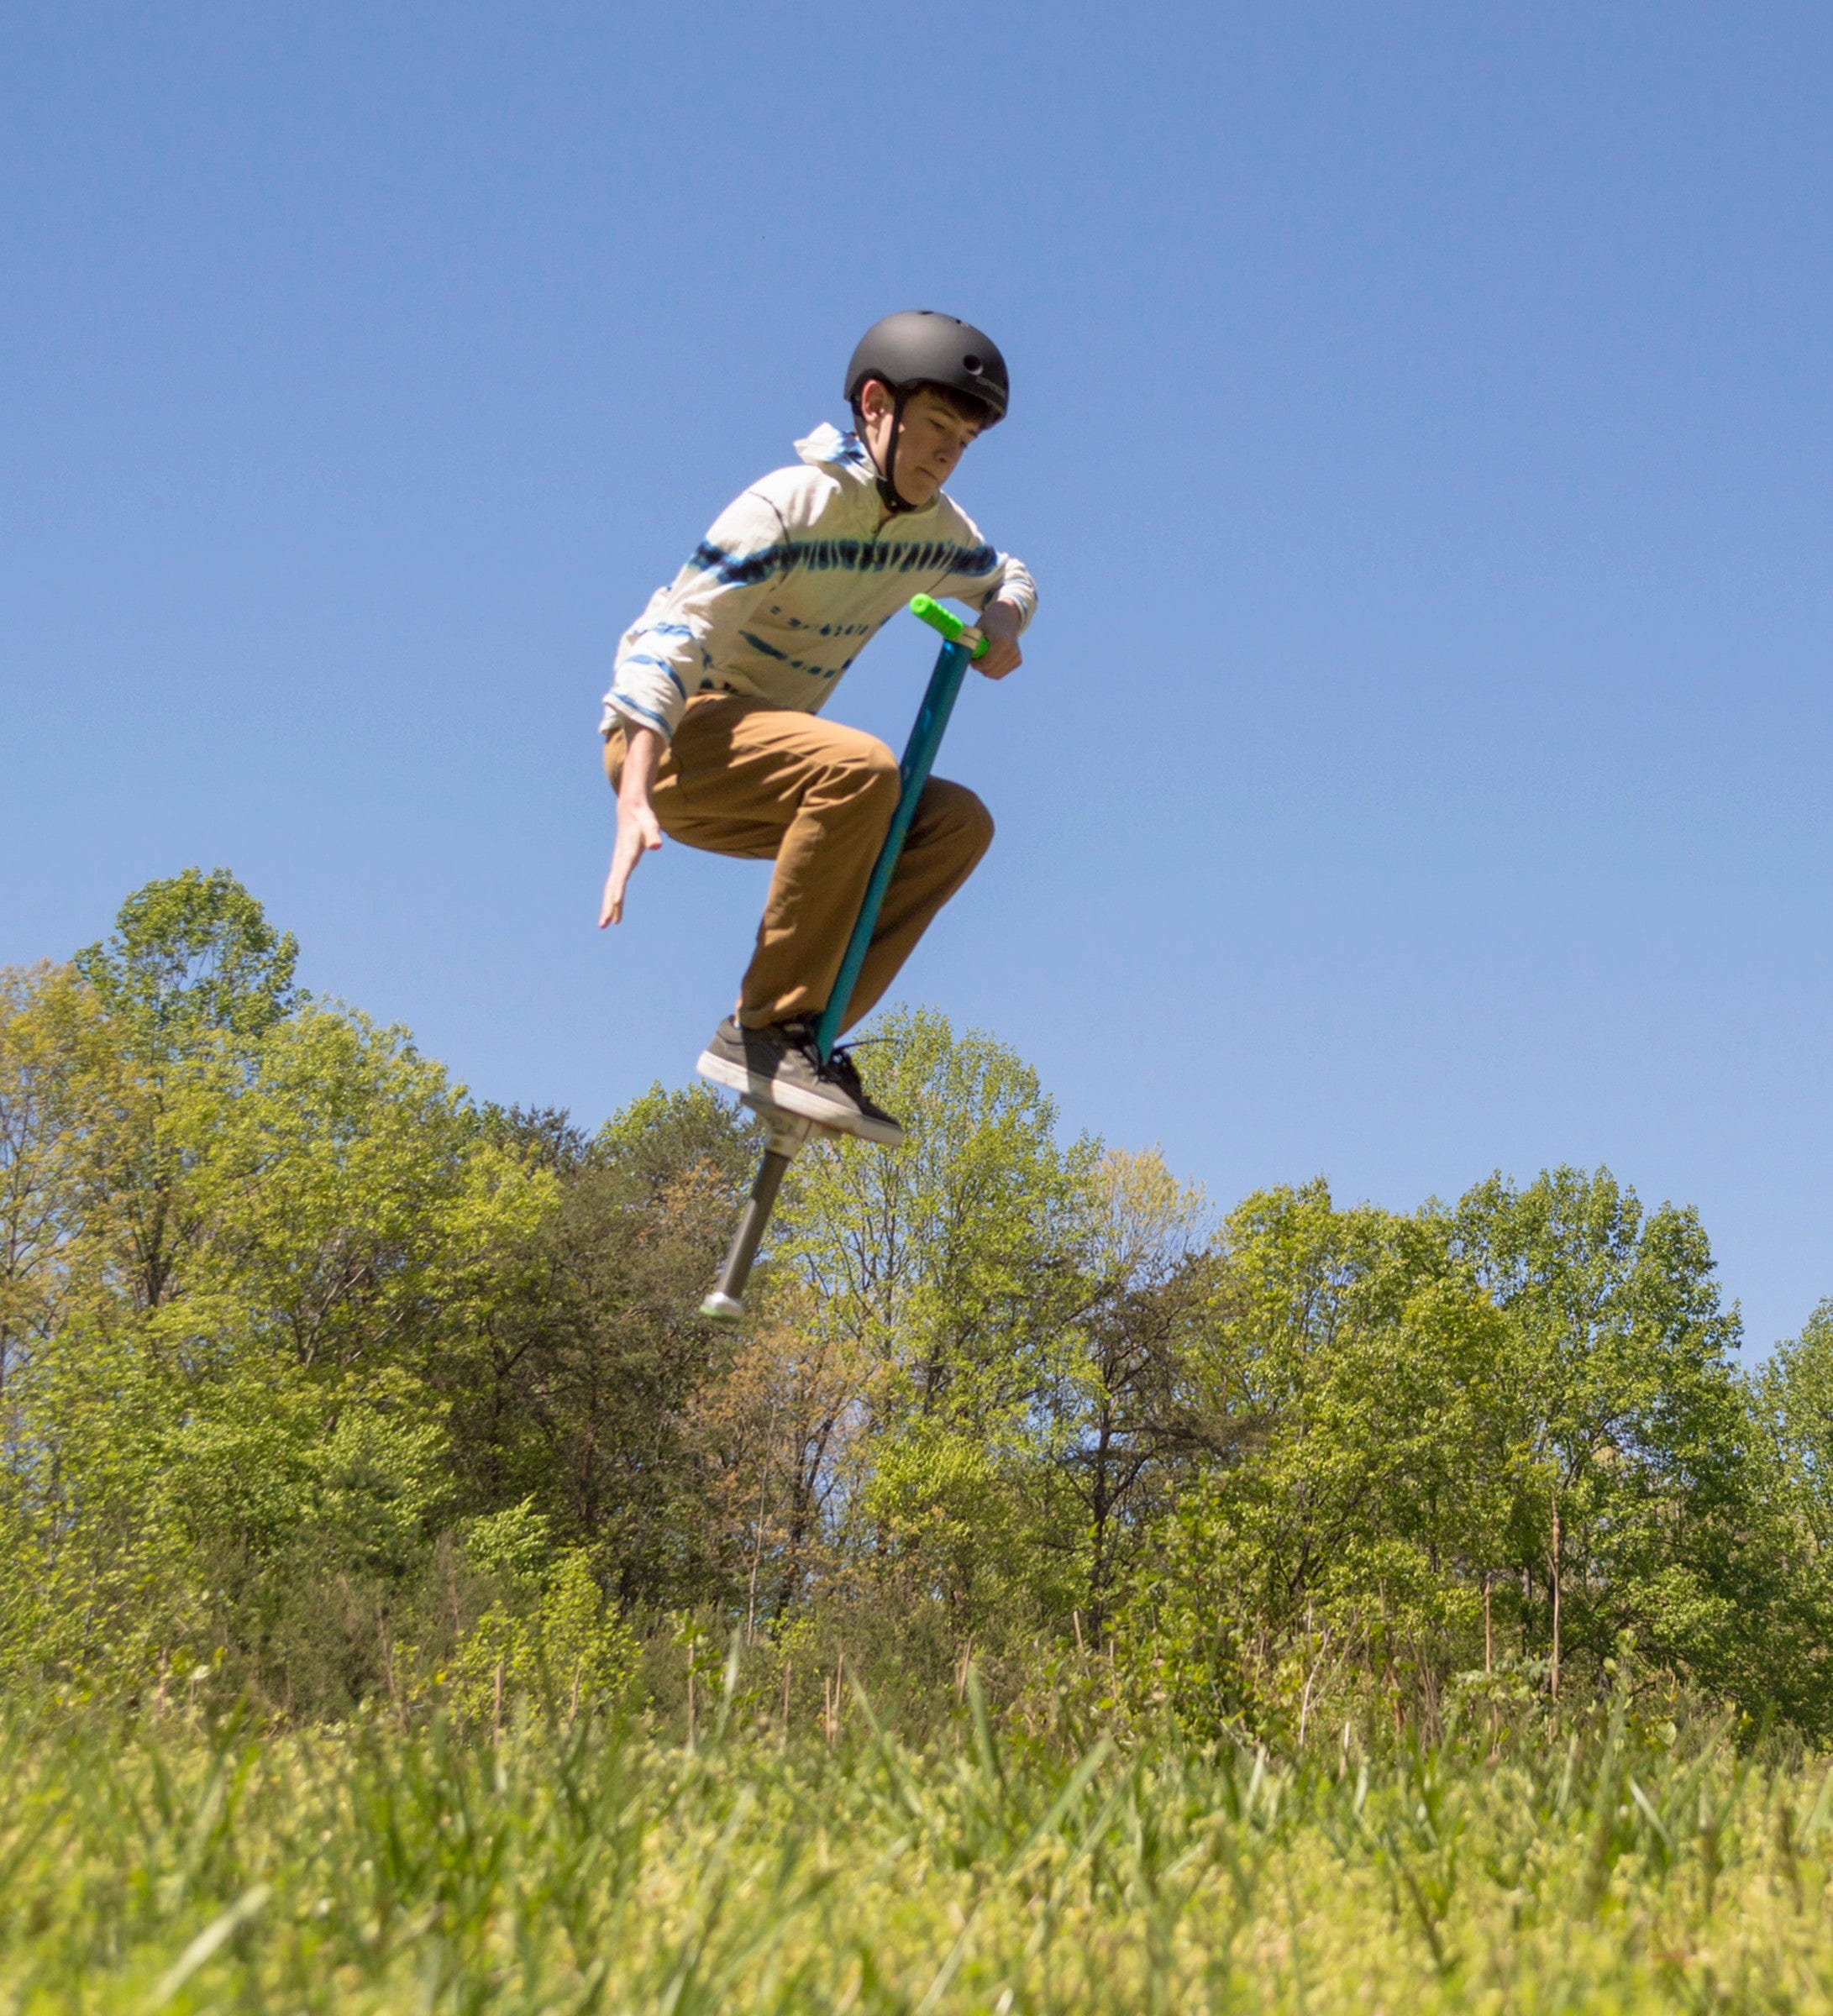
(1421, 437)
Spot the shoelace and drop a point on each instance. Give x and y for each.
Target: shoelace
(841, 1068)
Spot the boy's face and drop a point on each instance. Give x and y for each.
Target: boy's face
(932, 440)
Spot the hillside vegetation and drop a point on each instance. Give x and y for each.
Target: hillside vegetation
(1057, 1596)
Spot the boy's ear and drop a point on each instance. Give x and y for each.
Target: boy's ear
(875, 399)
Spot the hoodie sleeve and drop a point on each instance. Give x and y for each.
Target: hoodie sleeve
(978, 575)
(667, 653)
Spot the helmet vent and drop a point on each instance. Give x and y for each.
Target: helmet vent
(972, 364)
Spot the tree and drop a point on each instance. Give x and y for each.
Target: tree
(1636, 1431)
(193, 979)
(1359, 1369)
(50, 1042)
(244, 1231)
(1795, 1392)
(948, 1277)
(191, 959)
(582, 1396)
(955, 1259)
(1123, 1403)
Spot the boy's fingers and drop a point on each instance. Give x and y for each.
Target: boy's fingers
(611, 909)
(1001, 656)
(645, 838)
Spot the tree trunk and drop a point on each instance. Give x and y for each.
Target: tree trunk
(1553, 1568)
(1100, 1508)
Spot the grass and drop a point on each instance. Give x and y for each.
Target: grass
(597, 1865)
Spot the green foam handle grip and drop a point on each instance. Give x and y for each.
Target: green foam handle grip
(927, 609)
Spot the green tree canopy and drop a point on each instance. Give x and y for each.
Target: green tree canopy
(192, 955)
(314, 1372)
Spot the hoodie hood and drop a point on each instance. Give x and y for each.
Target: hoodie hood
(827, 447)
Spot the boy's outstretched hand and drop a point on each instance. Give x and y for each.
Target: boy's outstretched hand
(639, 830)
(1000, 624)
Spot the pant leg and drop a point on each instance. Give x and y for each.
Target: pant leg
(741, 778)
(950, 833)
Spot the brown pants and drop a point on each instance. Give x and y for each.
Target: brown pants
(762, 783)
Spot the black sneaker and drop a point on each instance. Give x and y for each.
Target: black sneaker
(780, 1066)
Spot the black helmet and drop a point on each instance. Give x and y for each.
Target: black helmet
(920, 346)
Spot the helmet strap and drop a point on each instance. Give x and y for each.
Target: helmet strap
(888, 491)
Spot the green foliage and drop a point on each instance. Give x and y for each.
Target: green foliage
(580, 1392)
(1369, 1379)
(1651, 1507)
(1512, 1430)
(270, 1233)
(191, 957)
(953, 1262)
(1795, 1392)
(556, 1639)
(950, 1276)
(322, 1387)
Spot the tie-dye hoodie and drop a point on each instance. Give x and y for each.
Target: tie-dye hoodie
(791, 584)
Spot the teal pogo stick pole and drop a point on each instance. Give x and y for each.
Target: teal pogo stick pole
(787, 1131)
(919, 753)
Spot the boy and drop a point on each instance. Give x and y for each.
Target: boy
(712, 726)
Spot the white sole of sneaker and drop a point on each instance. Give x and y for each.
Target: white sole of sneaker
(793, 1099)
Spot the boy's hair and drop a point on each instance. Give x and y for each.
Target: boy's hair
(963, 405)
